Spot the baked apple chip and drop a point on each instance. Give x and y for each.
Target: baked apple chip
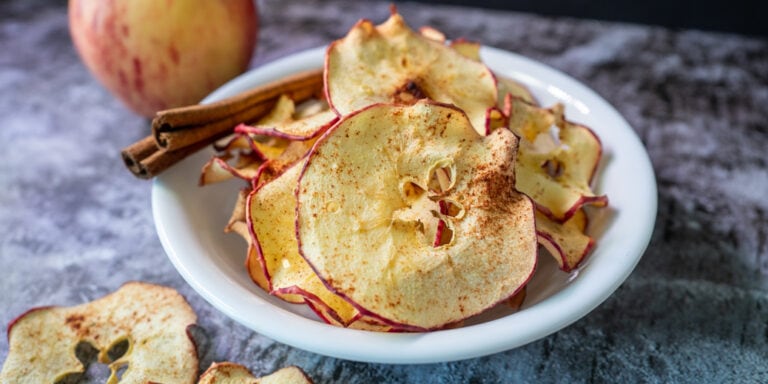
(271, 216)
(391, 63)
(467, 48)
(509, 86)
(293, 152)
(505, 85)
(147, 323)
(557, 159)
(407, 212)
(284, 121)
(246, 153)
(231, 373)
(567, 242)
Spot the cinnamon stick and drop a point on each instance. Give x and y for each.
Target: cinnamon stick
(146, 161)
(177, 128)
(179, 132)
(137, 152)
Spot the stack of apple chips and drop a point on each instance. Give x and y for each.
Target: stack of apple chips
(416, 193)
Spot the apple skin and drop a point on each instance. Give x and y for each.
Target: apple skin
(154, 55)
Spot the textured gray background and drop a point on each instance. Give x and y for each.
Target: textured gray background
(75, 225)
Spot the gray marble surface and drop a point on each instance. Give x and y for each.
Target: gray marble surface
(75, 224)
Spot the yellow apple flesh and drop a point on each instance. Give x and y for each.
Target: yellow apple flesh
(155, 55)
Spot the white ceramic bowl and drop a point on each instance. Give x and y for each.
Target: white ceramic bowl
(190, 221)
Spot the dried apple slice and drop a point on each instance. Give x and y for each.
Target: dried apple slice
(238, 218)
(304, 127)
(271, 144)
(432, 33)
(505, 85)
(271, 216)
(467, 48)
(557, 159)
(392, 63)
(567, 242)
(145, 321)
(237, 157)
(509, 86)
(231, 373)
(369, 207)
(254, 264)
(238, 223)
(294, 152)
(281, 113)
(217, 169)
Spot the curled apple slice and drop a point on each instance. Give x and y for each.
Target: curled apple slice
(567, 242)
(292, 153)
(140, 330)
(218, 169)
(432, 33)
(285, 122)
(557, 159)
(505, 85)
(271, 216)
(392, 63)
(274, 142)
(369, 208)
(509, 86)
(467, 48)
(231, 373)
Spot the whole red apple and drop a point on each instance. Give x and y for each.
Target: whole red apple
(156, 55)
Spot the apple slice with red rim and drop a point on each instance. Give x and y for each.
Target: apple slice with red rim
(274, 142)
(231, 373)
(369, 208)
(391, 63)
(270, 215)
(284, 121)
(567, 242)
(504, 84)
(141, 331)
(557, 159)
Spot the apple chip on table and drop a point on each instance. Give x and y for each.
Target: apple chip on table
(231, 373)
(140, 331)
(415, 195)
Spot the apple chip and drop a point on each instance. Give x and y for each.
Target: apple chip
(567, 242)
(271, 217)
(467, 48)
(217, 169)
(408, 213)
(255, 267)
(391, 62)
(237, 157)
(286, 122)
(293, 153)
(508, 86)
(238, 223)
(147, 323)
(505, 85)
(231, 373)
(432, 33)
(244, 154)
(557, 159)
